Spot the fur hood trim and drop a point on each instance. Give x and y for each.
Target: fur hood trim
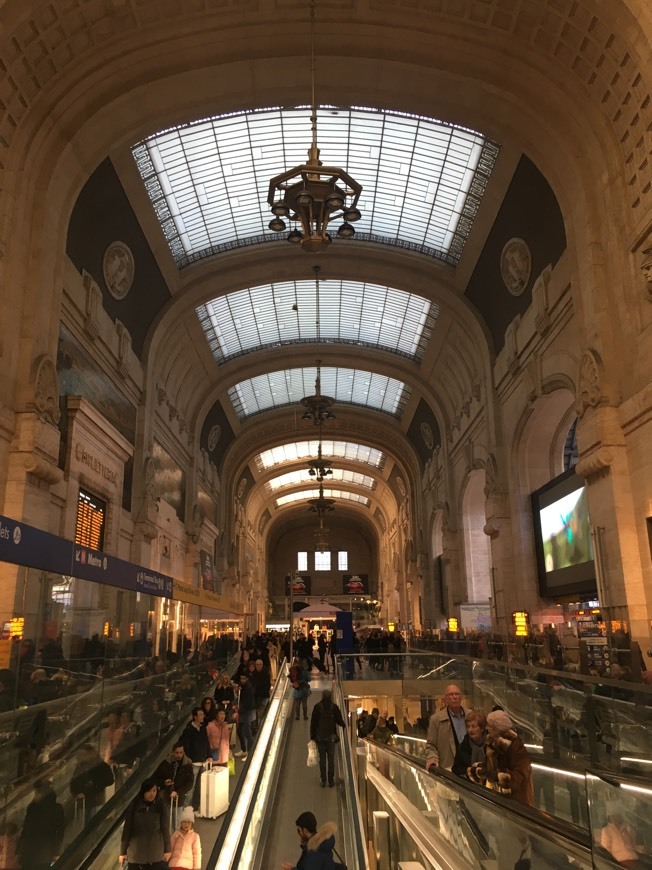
(328, 829)
(505, 740)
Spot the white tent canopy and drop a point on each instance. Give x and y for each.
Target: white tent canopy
(319, 611)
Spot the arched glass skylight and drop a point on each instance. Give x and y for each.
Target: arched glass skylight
(353, 312)
(298, 450)
(305, 494)
(422, 179)
(299, 476)
(348, 386)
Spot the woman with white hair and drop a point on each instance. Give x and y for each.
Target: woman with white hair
(507, 768)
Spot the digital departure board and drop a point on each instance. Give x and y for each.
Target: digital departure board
(91, 513)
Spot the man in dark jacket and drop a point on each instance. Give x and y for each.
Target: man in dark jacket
(175, 777)
(317, 846)
(42, 834)
(90, 780)
(246, 715)
(197, 748)
(262, 688)
(326, 716)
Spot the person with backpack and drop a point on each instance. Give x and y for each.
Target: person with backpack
(326, 716)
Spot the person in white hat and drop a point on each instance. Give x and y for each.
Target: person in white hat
(185, 843)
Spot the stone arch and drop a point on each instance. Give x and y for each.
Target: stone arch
(477, 547)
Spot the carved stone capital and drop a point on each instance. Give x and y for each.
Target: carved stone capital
(646, 269)
(595, 463)
(492, 529)
(46, 390)
(589, 382)
(42, 468)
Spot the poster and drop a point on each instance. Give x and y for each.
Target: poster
(355, 584)
(301, 584)
(475, 617)
(207, 579)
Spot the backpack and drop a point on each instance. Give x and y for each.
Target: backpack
(326, 726)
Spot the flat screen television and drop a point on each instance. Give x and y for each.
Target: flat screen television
(562, 534)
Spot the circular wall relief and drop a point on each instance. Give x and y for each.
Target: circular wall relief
(214, 437)
(118, 269)
(428, 437)
(516, 266)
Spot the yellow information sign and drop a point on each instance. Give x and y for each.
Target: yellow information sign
(203, 598)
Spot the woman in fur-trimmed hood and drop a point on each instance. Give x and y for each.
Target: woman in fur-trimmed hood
(317, 844)
(507, 768)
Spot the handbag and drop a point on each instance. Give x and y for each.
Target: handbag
(231, 765)
(313, 757)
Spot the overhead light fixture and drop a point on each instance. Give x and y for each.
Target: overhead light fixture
(321, 505)
(313, 195)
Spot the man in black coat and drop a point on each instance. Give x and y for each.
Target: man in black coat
(326, 716)
(175, 777)
(90, 780)
(42, 835)
(197, 748)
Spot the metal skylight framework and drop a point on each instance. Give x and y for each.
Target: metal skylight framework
(351, 312)
(346, 386)
(422, 179)
(305, 494)
(295, 451)
(299, 476)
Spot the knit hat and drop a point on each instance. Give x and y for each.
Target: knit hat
(500, 721)
(188, 815)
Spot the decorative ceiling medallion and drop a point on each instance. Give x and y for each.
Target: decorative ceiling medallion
(426, 434)
(214, 437)
(516, 266)
(118, 269)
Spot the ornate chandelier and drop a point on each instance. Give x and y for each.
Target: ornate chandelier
(313, 195)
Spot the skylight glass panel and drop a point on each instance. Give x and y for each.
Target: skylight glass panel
(299, 476)
(305, 494)
(346, 386)
(352, 312)
(298, 450)
(422, 179)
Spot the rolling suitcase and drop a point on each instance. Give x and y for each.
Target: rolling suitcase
(213, 791)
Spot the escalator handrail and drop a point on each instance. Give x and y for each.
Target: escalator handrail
(537, 821)
(361, 858)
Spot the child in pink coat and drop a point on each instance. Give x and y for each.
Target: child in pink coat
(185, 844)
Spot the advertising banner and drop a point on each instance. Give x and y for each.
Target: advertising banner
(96, 566)
(206, 569)
(355, 584)
(475, 617)
(301, 584)
(21, 544)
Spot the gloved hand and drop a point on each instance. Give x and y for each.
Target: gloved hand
(504, 783)
(477, 773)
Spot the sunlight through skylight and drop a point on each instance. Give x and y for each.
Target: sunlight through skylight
(299, 450)
(299, 476)
(346, 386)
(305, 494)
(422, 179)
(349, 311)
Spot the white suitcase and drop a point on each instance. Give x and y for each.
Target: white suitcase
(214, 791)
